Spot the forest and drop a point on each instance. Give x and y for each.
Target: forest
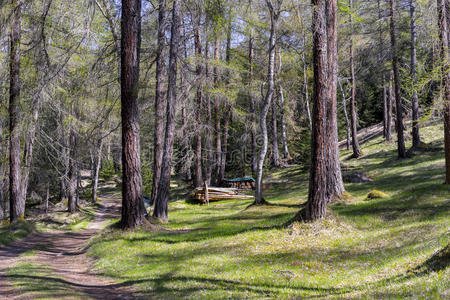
(224, 149)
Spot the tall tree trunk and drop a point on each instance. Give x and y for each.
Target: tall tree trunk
(227, 114)
(335, 185)
(317, 195)
(208, 127)
(28, 147)
(275, 150)
(347, 120)
(198, 176)
(274, 15)
(217, 129)
(306, 92)
(251, 53)
(398, 99)
(159, 100)
(355, 143)
(96, 170)
(383, 81)
(17, 203)
(390, 103)
(162, 202)
(282, 114)
(442, 6)
(385, 110)
(415, 98)
(72, 174)
(133, 209)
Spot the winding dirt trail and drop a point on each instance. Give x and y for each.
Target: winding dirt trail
(61, 257)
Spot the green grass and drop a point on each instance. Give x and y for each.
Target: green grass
(9, 233)
(365, 249)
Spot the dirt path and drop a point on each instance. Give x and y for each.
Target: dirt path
(61, 257)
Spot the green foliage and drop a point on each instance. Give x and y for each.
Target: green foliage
(375, 194)
(9, 233)
(107, 171)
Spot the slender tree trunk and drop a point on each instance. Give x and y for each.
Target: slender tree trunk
(227, 114)
(385, 110)
(347, 120)
(398, 99)
(17, 203)
(198, 176)
(306, 92)
(251, 53)
(383, 82)
(162, 202)
(217, 129)
(208, 127)
(274, 15)
(442, 6)
(415, 98)
(317, 196)
(282, 114)
(355, 143)
(72, 174)
(133, 209)
(390, 102)
(335, 185)
(275, 150)
(96, 170)
(159, 100)
(28, 147)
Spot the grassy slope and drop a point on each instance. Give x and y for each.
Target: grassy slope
(9, 233)
(366, 249)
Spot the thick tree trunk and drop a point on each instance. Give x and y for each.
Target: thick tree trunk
(317, 196)
(162, 202)
(133, 210)
(335, 185)
(398, 99)
(355, 143)
(198, 176)
(17, 202)
(274, 15)
(442, 6)
(159, 100)
(217, 129)
(415, 98)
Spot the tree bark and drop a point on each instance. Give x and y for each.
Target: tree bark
(208, 127)
(96, 170)
(198, 176)
(317, 195)
(335, 185)
(133, 209)
(415, 98)
(72, 174)
(162, 202)
(355, 144)
(251, 53)
(274, 15)
(390, 102)
(347, 120)
(274, 116)
(17, 203)
(159, 100)
(217, 129)
(398, 99)
(442, 6)
(286, 155)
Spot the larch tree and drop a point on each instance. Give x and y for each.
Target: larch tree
(133, 210)
(162, 201)
(413, 72)
(159, 100)
(395, 68)
(198, 174)
(355, 144)
(317, 195)
(335, 184)
(274, 13)
(17, 201)
(442, 9)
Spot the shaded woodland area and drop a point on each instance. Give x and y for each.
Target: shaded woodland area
(155, 95)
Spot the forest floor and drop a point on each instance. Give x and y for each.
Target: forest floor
(53, 263)
(366, 248)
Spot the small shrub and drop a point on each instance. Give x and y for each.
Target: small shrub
(375, 194)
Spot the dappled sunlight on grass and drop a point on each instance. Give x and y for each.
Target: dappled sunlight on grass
(363, 249)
